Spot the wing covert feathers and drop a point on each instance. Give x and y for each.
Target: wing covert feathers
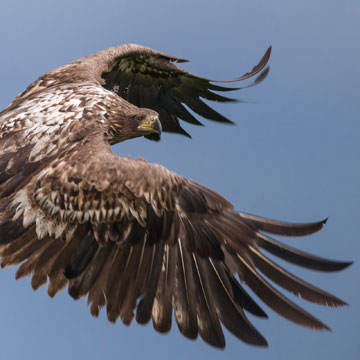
(188, 260)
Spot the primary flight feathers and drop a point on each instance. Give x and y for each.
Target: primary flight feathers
(135, 237)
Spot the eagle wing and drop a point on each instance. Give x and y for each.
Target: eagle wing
(135, 237)
(153, 81)
(150, 79)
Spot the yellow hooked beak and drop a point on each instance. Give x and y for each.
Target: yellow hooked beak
(150, 125)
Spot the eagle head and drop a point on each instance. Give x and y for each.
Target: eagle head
(135, 123)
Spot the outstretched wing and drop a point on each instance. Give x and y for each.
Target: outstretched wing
(135, 237)
(153, 81)
(150, 79)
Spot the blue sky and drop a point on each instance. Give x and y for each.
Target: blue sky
(294, 154)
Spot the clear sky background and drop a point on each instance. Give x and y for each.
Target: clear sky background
(294, 154)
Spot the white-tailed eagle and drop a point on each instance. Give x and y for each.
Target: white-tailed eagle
(134, 237)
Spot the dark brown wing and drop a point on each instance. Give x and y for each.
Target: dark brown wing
(148, 78)
(151, 80)
(136, 237)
